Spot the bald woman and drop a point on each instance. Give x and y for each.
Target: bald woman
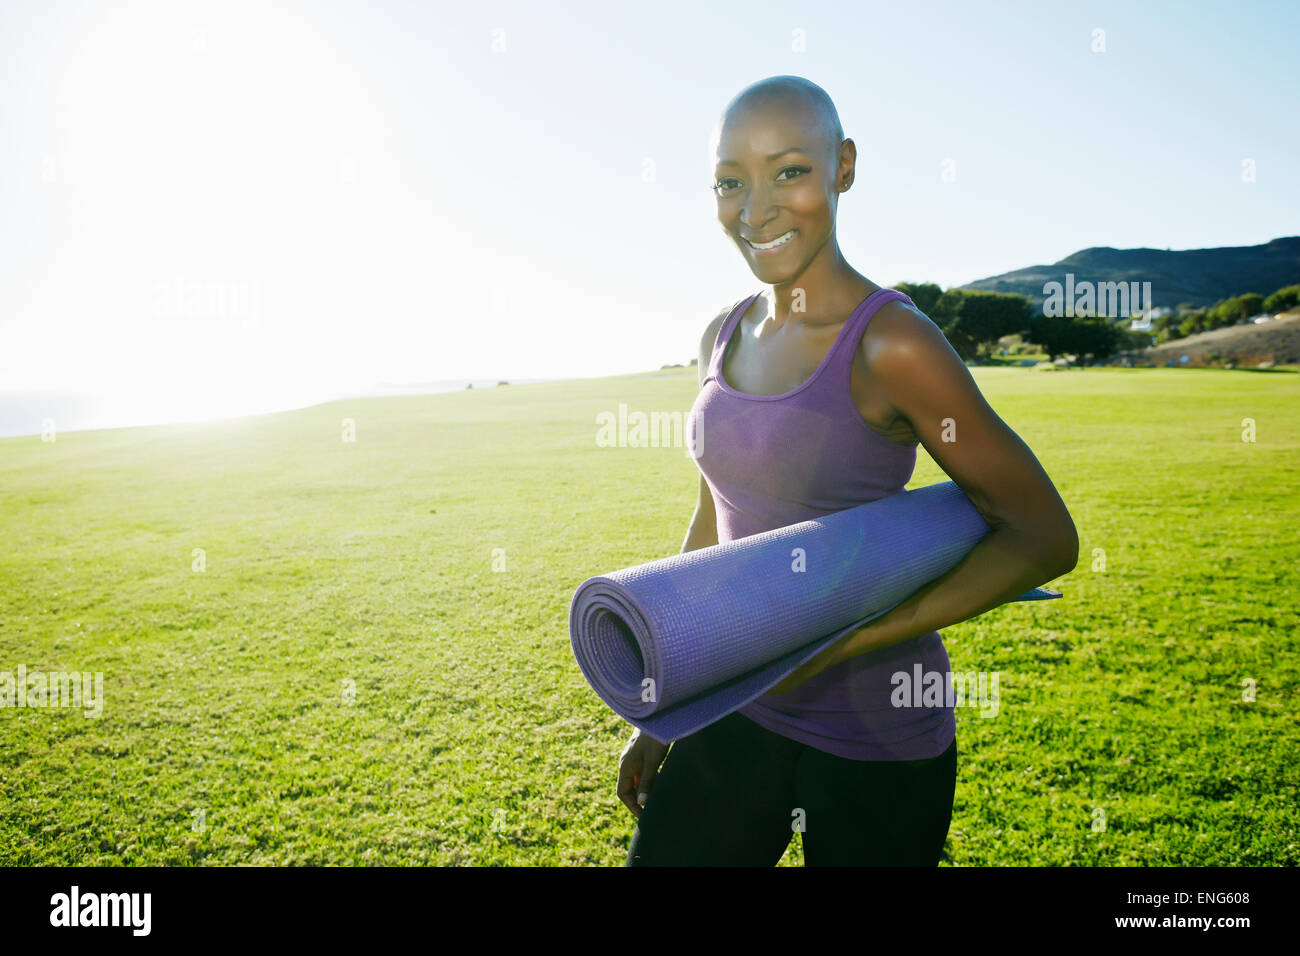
(815, 394)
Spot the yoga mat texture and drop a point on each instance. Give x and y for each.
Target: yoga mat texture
(717, 627)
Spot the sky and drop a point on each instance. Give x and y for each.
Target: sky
(228, 206)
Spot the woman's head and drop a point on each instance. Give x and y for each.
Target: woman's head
(780, 162)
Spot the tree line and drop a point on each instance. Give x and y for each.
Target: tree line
(973, 321)
(1187, 319)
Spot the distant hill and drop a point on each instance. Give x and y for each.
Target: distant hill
(1200, 276)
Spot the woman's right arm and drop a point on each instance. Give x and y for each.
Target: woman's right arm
(703, 529)
(638, 765)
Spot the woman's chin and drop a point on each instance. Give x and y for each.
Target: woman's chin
(771, 273)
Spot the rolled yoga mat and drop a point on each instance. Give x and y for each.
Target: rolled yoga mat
(717, 627)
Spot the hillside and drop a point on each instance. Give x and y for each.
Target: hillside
(1199, 276)
(1277, 342)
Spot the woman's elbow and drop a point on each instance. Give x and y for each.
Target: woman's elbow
(1065, 549)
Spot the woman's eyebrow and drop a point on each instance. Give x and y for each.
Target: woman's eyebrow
(792, 149)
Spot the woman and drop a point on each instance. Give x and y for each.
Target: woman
(813, 399)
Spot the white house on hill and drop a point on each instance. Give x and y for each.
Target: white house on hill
(1143, 321)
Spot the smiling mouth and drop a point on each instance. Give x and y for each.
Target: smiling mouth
(778, 241)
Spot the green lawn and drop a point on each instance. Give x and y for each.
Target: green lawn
(350, 681)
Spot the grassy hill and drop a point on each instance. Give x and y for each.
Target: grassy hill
(342, 675)
(1276, 342)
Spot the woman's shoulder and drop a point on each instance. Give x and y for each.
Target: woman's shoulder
(901, 343)
(899, 327)
(710, 336)
(756, 300)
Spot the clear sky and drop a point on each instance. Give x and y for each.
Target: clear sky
(219, 205)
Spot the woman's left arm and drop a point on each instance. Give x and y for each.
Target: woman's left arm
(1033, 538)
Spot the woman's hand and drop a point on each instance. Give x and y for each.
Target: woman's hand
(638, 766)
(798, 676)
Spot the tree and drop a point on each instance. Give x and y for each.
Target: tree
(923, 294)
(1095, 337)
(1053, 333)
(943, 309)
(948, 308)
(1232, 310)
(1166, 321)
(987, 316)
(1130, 341)
(1283, 299)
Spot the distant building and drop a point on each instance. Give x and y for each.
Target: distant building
(1144, 321)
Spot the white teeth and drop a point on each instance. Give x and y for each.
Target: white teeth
(774, 243)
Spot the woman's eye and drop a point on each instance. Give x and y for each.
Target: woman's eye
(724, 186)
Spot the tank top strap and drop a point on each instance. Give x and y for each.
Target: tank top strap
(850, 338)
(724, 334)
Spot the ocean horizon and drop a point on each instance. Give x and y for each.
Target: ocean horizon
(32, 411)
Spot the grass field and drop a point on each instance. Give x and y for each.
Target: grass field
(349, 680)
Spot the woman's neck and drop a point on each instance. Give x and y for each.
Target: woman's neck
(823, 294)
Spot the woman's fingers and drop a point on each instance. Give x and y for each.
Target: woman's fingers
(628, 771)
(647, 779)
(638, 766)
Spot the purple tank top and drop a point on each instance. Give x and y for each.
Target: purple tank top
(775, 460)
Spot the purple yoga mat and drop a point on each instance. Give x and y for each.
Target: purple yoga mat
(714, 628)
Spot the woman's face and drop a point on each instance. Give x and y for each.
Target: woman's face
(776, 186)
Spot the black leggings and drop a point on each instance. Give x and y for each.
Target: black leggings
(734, 793)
